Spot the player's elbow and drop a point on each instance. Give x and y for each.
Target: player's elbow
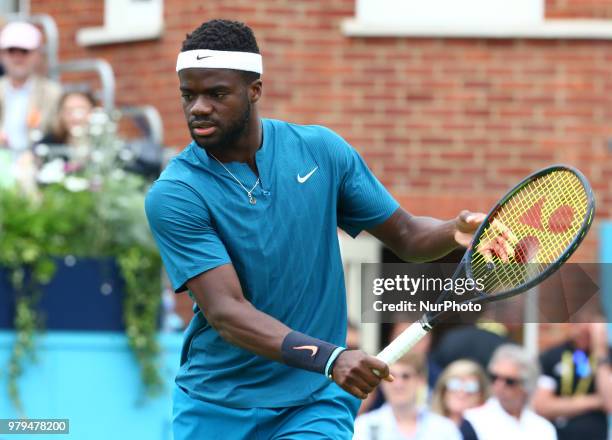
(403, 245)
(413, 242)
(226, 318)
(220, 320)
(413, 250)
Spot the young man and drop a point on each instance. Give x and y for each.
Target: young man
(246, 219)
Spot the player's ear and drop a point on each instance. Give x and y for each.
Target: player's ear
(255, 89)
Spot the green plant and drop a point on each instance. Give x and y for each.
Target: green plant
(98, 212)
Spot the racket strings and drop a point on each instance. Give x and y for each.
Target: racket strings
(544, 216)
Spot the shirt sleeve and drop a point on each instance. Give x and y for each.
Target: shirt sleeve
(363, 202)
(189, 245)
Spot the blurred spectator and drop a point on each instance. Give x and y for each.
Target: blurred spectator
(476, 343)
(73, 117)
(423, 347)
(432, 371)
(68, 138)
(403, 417)
(504, 416)
(28, 101)
(601, 353)
(461, 386)
(566, 392)
(68, 147)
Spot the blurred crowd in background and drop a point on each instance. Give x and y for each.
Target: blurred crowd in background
(476, 383)
(42, 122)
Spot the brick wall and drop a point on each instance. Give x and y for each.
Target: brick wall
(578, 8)
(444, 123)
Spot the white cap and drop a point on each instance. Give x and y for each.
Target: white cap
(20, 35)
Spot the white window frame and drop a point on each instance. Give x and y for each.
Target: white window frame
(126, 21)
(467, 19)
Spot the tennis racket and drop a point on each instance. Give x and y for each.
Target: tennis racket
(544, 219)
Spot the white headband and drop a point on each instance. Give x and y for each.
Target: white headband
(219, 59)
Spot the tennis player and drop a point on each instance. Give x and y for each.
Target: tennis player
(246, 219)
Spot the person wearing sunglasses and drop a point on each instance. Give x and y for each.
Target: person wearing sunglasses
(28, 101)
(404, 415)
(506, 416)
(461, 386)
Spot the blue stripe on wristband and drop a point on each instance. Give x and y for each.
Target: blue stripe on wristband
(332, 359)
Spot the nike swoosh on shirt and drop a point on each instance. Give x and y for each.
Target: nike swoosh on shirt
(307, 176)
(313, 348)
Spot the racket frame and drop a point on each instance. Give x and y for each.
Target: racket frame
(570, 249)
(413, 334)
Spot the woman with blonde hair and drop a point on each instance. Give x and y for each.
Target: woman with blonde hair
(403, 416)
(461, 386)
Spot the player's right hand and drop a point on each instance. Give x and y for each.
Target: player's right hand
(353, 371)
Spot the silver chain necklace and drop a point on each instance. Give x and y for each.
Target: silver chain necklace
(252, 200)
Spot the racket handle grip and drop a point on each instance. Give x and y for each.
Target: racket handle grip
(404, 342)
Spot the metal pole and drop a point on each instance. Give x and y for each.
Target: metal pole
(24, 7)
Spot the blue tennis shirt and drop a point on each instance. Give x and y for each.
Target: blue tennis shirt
(284, 248)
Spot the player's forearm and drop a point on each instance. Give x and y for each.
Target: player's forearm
(243, 325)
(419, 239)
(551, 406)
(246, 327)
(425, 239)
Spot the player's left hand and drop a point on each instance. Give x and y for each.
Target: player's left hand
(466, 224)
(354, 371)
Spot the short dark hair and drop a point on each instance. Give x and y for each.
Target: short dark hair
(226, 35)
(87, 94)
